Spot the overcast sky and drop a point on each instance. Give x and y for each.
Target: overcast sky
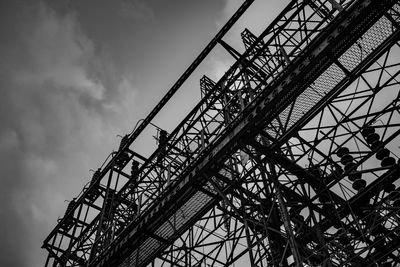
(74, 75)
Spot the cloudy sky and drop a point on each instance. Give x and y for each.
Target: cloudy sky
(74, 75)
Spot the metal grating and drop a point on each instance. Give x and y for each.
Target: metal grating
(299, 104)
(307, 100)
(167, 230)
(327, 81)
(323, 85)
(379, 32)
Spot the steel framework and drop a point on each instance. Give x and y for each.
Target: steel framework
(290, 159)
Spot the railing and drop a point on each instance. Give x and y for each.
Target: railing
(97, 231)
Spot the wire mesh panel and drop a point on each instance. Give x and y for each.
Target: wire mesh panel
(290, 159)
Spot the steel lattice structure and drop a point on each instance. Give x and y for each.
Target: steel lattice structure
(290, 159)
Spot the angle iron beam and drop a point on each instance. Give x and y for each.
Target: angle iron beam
(233, 135)
(174, 89)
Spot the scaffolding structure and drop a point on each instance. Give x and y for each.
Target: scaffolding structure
(290, 159)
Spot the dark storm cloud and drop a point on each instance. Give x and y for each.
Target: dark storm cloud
(57, 107)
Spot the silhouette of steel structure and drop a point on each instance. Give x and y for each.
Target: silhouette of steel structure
(290, 159)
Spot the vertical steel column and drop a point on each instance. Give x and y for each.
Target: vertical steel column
(98, 234)
(284, 215)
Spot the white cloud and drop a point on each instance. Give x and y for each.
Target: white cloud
(218, 66)
(230, 7)
(258, 16)
(60, 52)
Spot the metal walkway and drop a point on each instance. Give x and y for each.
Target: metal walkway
(290, 159)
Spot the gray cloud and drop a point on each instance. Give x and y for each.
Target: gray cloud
(65, 94)
(61, 103)
(136, 9)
